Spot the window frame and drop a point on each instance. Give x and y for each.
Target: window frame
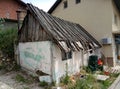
(66, 55)
(65, 4)
(77, 1)
(115, 19)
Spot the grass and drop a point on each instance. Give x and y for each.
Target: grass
(105, 84)
(43, 83)
(65, 79)
(84, 83)
(89, 81)
(16, 67)
(26, 88)
(20, 78)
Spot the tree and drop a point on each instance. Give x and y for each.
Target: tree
(1, 23)
(7, 38)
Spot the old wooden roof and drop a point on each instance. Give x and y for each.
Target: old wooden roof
(72, 34)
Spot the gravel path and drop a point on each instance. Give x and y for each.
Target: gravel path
(7, 81)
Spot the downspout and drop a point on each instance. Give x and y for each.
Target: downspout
(82, 58)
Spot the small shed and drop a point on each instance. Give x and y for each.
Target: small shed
(50, 46)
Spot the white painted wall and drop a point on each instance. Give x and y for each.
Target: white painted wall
(60, 66)
(36, 56)
(44, 55)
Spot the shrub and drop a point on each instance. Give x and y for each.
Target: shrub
(65, 79)
(16, 67)
(7, 38)
(26, 88)
(43, 84)
(20, 78)
(85, 83)
(1, 23)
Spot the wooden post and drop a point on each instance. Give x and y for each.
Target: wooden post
(18, 18)
(52, 61)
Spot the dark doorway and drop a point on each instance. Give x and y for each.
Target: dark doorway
(117, 42)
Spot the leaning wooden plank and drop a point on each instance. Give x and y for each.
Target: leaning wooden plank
(59, 27)
(37, 30)
(53, 26)
(94, 40)
(66, 29)
(33, 30)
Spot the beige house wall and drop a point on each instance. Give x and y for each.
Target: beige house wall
(93, 15)
(96, 16)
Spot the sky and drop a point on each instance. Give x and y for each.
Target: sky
(42, 4)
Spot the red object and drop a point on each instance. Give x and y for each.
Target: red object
(106, 73)
(100, 62)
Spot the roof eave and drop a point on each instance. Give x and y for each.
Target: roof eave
(22, 3)
(54, 6)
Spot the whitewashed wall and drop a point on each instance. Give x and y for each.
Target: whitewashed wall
(46, 55)
(60, 66)
(36, 56)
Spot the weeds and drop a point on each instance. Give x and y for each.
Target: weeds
(90, 82)
(84, 83)
(65, 79)
(26, 88)
(16, 67)
(105, 84)
(20, 78)
(43, 84)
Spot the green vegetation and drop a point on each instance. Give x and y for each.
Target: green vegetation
(26, 88)
(104, 84)
(20, 78)
(1, 23)
(43, 84)
(65, 80)
(7, 39)
(87, 80)
(91, 83)
(16, 67)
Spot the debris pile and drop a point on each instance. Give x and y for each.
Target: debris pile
(6, 62)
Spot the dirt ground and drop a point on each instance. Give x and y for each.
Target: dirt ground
(8, 81)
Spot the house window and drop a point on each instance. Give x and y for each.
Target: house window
(78, 1)
(66, 55)
(65, 4)
(115, 19)
(90, 48)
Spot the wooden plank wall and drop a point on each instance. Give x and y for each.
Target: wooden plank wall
(32, 31)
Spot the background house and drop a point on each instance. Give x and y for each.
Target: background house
(101, 18)
(8, 12)
(52, 46)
